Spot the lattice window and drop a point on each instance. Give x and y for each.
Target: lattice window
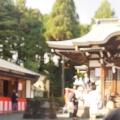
(92, 75)
(118, 74)
(109, 76)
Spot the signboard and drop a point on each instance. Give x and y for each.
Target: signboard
(20, 86)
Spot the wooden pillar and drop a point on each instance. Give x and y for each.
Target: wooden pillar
(1, 88)
(103, 84)
(114, 86)
(63, 76)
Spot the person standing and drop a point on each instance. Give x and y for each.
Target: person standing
(74, 99)
(14, 100)
(75, 79)
(86, 81)
(93, 98)
(67, 97)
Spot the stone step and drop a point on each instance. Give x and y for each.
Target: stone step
(58, 108)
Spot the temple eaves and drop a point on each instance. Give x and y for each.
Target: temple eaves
(100, 34)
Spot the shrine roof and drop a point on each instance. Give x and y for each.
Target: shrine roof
(101, 32)
(12, 67)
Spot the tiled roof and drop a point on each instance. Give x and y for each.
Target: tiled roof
(101, 32)
(5, 65)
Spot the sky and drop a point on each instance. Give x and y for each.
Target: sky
(84, 8)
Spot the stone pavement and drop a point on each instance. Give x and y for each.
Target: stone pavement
(19, 116)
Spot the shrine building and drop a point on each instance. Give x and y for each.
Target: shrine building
(99, 49)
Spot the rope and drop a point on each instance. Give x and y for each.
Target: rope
(112, 65)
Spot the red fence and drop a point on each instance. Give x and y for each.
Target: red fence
(22, 104)
(6, 104)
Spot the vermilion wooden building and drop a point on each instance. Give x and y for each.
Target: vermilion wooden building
(14, 77)
(99, 50)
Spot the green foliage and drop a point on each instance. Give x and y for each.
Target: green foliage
(21, 30)
(53, 74)
(61, 24)
(20, 4)
(69, 73)
(104, 11)
(84, 29)
(63, 21)
(59, 99)
(30, 63)
(81, 75)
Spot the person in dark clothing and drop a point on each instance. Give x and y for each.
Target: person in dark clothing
(14, 100)
(74, 99)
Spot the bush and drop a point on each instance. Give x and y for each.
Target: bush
(59, 99)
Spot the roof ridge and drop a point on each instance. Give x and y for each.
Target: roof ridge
(107, 20)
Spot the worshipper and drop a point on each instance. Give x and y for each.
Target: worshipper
(80, 96)
(87, 81)
(67, 97)
(76, 79)
(75, 99)
(93, 99)
(14, 100)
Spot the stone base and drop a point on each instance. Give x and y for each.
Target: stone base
(83, 112)
(40, 108)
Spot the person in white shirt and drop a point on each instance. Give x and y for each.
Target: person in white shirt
(93, 98)
(76, 79)
(86, 81)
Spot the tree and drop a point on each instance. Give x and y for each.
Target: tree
(104, 11)
(8, 25)
(21, 30)
(31, 27)
(21, 4)
(63, 23)
(84, 29)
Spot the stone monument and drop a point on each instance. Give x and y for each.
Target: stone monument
(40, 108)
